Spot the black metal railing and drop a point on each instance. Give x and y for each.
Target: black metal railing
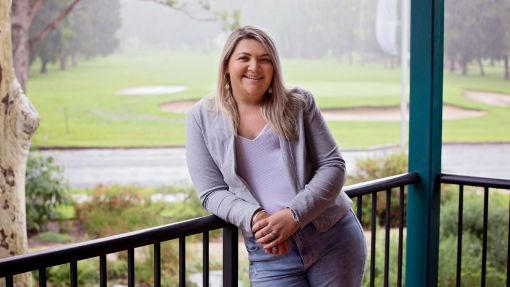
(73, 253)
(372, 189)
(485, 184)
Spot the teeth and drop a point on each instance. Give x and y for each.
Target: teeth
(253, 77)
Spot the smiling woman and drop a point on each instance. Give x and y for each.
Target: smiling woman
(262, 157)
(249, 72)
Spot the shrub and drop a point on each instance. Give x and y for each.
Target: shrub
(379, 260)
(118, 209)
(58, 276)
(44, 190)
(473, 226)
(188, 207)
(144, 266)
(378, 167)
(471, 263)
(375, 168)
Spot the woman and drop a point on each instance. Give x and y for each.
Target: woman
(262, 158)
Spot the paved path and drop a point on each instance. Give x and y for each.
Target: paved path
(167, 166)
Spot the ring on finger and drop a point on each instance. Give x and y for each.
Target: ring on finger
(275, 249)
(272, 235)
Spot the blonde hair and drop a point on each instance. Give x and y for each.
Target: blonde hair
(280, 107)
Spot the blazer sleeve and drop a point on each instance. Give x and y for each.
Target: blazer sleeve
(207, 178)
(326, 163)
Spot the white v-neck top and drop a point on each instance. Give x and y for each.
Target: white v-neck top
(260, 163)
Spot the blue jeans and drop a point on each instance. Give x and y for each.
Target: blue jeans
(333, 258)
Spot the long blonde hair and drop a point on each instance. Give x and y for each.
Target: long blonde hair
(280, 107)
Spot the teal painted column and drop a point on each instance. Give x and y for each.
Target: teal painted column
(426, 101)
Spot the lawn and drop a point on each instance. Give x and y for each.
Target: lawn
(79, 107)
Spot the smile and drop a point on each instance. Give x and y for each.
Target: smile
(253, 77)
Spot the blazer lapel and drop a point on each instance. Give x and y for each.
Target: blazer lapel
(230, 152)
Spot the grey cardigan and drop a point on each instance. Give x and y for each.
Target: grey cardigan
(313, 162)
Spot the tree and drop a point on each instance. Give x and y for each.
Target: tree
(23, 13)
(477, 30)
(18, 122)
(340, 25)
(463, 33)
(89, 31)
(94, 24)
(48, 48)
(506, 51)
(313, 29)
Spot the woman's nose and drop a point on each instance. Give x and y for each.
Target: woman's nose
(253, 65)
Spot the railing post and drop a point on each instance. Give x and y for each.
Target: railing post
(425, 141)
(230, 256)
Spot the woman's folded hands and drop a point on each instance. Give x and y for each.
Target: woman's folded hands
(273, 231)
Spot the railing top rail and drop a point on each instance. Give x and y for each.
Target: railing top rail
(93, 248)
(475, 181)
(382, 184)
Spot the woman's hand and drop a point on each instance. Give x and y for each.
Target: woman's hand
(279, 249)
(259, 221)
(274, 230)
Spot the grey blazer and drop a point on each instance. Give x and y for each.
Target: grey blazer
(313, 162)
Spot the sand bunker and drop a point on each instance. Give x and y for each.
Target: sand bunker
(493, 99)
(152, 90)
(181, 106)
(351, 114)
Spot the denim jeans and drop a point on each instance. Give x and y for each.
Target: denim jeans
(335, 257)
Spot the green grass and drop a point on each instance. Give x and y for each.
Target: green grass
(53, 237)
(79, 107)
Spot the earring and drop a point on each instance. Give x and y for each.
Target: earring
(270, 90)
(227, 79)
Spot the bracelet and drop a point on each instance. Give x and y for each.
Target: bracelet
(294, 216)
(257, 213)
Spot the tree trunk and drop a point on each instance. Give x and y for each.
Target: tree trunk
(63, 62)
(75, 59)
(21, 21)
(44, 67)
(452, 65)
(507, 74)
(463, 64)
(480, 64)
(18, 122)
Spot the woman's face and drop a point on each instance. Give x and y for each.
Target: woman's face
(251, 71)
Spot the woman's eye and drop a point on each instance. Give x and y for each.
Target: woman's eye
(243, 58)
(266, 60)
